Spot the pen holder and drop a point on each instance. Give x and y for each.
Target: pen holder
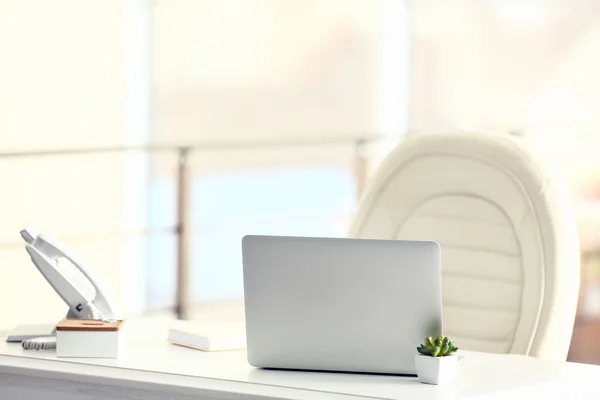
(88, 338)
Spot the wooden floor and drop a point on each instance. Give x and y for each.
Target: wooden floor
(585, 343)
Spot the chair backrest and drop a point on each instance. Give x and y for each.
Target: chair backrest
(510, 249)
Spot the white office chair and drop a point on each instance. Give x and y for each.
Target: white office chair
(510, 252)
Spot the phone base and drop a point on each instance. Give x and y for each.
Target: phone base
(26, 332)
(31, 331)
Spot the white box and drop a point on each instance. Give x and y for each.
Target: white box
(88, 338)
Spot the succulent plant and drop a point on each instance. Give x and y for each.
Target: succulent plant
(439, 346)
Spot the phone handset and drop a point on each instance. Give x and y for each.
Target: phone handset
(72, 281)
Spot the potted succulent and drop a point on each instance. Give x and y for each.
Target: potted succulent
(436, 361)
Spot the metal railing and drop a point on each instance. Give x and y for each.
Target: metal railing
(183, 228)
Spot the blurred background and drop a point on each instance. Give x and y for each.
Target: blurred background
(151, 135)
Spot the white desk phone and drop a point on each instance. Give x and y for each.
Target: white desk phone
(73, 283)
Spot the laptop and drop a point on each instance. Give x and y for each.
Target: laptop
(338, 304)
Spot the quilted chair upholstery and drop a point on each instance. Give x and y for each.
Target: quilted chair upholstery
(510, 251)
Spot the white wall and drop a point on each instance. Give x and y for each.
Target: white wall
(239, 69)
(62, 86)
(527, 66)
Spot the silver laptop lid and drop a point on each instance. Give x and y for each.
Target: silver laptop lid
(340, 304)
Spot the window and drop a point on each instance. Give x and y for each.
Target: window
(255, 79)
(280, 99)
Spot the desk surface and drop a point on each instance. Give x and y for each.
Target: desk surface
(147, 360)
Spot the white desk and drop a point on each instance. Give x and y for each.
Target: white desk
(149, 369)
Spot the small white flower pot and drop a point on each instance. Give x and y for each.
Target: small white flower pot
(435, 370)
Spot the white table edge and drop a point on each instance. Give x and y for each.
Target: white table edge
(149, 381)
